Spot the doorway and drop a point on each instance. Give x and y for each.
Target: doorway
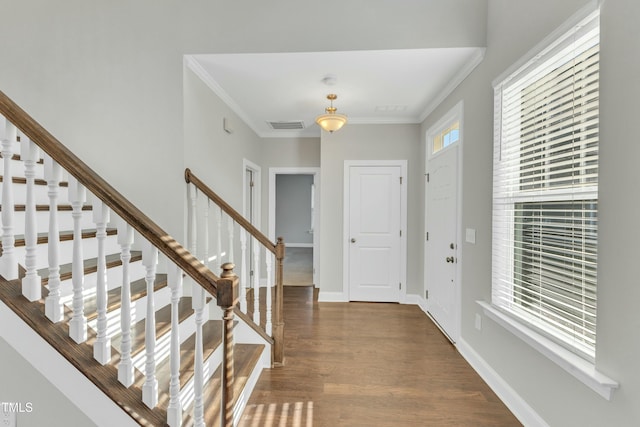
(375, 230)
(294, 206)
(442, 222)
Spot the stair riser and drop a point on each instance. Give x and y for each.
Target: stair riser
(186, 328)
(65, 253)
(162, 297)
(114, 278)
(65, 221)
(39, 194)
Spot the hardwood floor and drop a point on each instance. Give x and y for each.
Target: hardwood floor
(368, 364)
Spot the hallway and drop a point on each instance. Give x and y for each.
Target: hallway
(369, 364)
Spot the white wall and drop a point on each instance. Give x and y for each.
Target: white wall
(367, 142)
(514, 27)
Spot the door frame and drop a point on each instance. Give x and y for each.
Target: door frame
(457, 112)
(403, 222)
(315, 172)
(257, 192)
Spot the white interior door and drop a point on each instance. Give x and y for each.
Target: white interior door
(374, 230)
(441, 244)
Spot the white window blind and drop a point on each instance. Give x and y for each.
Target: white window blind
(545, 193)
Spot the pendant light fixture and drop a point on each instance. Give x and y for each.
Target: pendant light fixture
(331, 121)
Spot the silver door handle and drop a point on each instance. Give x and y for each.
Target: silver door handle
(353, 240)
(450, 259)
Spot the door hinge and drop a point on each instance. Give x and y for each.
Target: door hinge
(400, 233)
(400, 285)
(251, 184)
(400, 180)
(427, 177)
(426, 294)
(427, 236)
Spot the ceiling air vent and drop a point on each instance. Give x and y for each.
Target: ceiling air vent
(287, 125)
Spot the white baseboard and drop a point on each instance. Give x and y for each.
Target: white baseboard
(332, 297)
(516, 404)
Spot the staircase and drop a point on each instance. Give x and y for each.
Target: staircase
(162, 336)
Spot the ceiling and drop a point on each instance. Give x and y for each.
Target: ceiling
(373, 86)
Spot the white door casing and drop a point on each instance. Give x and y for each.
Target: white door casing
(443, 195)
(315, 213)
(375, 220)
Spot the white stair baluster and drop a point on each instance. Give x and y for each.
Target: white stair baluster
(269, 261)
(256, 281)
(150, 386)
(53, 305)
(174, 410)
(230, 229)
(8, 261)
(244, 270)
(205, 233)
(218, 239)
(31, 283)
(102, 345)
(198, 302)
(125, 366)
(78, 323)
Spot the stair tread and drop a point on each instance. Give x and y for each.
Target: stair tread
(42, 208)
(90, 266)
(36, 181)
(43, 238)
(245, 357)
(138, 290)
(163, 325)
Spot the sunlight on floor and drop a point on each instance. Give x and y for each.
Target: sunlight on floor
(298, 414)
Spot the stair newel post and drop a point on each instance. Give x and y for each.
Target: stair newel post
(174, 410)
(150, 386)
(268, 297)
(53, 305)
(78, 323)
(244, 272)
(256, 281)
(125, 366)
(102, 345)
(278, 333)
(8, 261)
(227, 299)
(31, 283)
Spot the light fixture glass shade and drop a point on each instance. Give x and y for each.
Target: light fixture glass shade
(331, 121)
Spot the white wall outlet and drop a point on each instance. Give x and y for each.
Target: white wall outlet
(478, 322)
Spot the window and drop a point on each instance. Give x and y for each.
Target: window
(445, 132)
(545, 200)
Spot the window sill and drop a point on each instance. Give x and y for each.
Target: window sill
(581, 369)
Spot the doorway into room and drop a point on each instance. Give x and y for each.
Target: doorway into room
(293, 215)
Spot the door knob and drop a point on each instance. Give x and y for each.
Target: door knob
(353, 240)
(450, 259)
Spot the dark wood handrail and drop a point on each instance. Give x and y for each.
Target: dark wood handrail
(189, 177)
(278, 249)
(112, 198)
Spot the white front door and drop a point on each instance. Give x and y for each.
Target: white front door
(374, 233)
(441, 245)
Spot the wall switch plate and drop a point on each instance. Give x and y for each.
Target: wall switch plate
(470, 235)
(478, 322)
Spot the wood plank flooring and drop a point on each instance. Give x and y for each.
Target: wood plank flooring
(368, 364)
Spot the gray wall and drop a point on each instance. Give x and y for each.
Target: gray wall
(367, 142)
(514, 27)
(49, 406)
(293, 208)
